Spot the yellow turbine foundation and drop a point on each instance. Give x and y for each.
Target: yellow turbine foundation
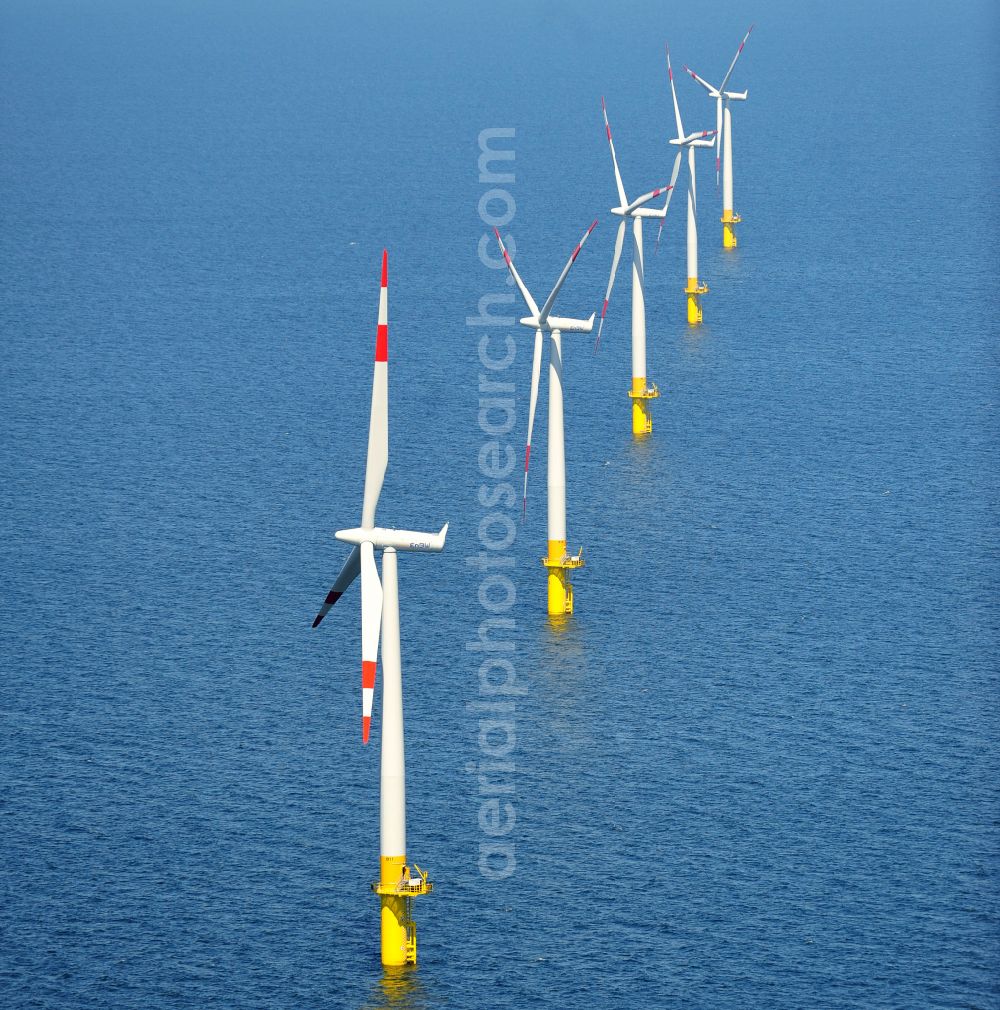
(694, 292)
(399, 932)
(559, 564)
(728, 231)
(640, 394)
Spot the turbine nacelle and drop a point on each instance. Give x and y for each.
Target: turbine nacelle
(401, 540)
(572, 325)
(695, 139)
(565, 325)
(560, 323)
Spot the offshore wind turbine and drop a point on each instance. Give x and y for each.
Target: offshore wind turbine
(689, 141)
(724, 139)
(642, 391)
(397, 884)
(558, 563)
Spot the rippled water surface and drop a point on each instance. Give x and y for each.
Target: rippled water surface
(757, 769)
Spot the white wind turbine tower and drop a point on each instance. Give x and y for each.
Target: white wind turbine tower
(557, 561)
(380, 614)
(642, 391)
(695, 289)
(724, 141)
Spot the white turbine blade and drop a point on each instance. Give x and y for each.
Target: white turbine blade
(614, 158)
(718, 138)
(378, 423)
(725, 80)
(673, 91)
(536, 371)
(708, 87)
(371, 626)
(347, 575)
(547, 307)
(525, 293)
(645, 198)
(670, 193)
(619, 242)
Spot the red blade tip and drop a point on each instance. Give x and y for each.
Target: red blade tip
(368, 672)
(366, 725)
(385, 268)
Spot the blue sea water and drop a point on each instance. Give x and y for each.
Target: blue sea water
(758, 768)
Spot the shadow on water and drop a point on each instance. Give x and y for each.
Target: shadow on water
(398, 989)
